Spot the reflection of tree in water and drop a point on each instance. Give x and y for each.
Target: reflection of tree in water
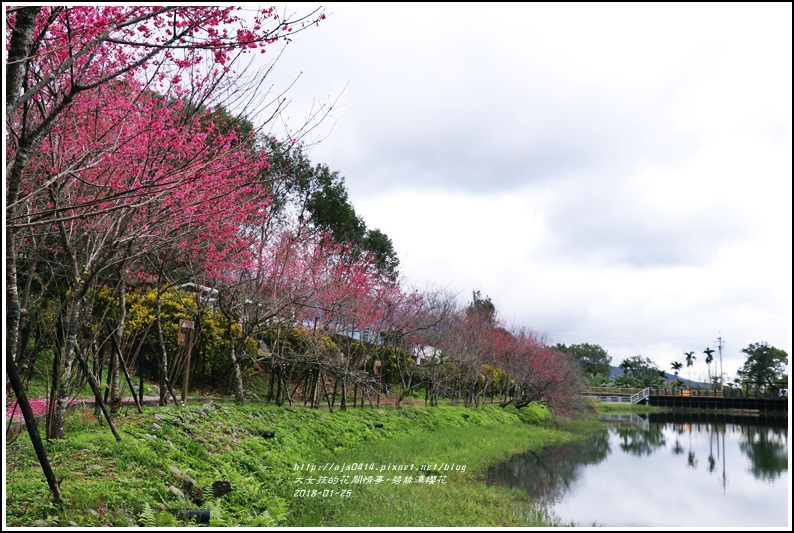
(687, 427)
(767, 449)
(712, 460)
(764, 442)
(641, 442)
(551, 472)
(690, 459)
(679, 430)
(677, 448)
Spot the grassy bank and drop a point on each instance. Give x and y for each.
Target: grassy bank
(135, 481)
(456, 459)
(617, 408)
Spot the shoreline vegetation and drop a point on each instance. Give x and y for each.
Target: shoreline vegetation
(416, 466)
(172, 463)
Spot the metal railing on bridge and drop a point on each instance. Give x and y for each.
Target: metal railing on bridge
(618, 395)
(640, 396)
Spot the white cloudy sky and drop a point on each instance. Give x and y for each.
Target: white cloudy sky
(606, 173)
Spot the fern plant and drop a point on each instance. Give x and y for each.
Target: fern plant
(146, 518)
(207, 493)
(217, 516)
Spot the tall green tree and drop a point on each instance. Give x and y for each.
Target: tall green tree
(709, 358)
(592, 357)
(676, 366)
(644, 370)
(317, 195)
(765, 365)
(381, 247)
(690, 360)
(482, 308)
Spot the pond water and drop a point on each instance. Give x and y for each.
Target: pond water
(664, 470)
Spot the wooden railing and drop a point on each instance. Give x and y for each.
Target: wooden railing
(700, 393)
(628, 391)
(611, 390)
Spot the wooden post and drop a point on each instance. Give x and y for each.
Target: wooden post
(186, 337)
(30, 423)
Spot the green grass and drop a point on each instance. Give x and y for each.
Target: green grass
(122, 484)
(461, 498)
(607, 407)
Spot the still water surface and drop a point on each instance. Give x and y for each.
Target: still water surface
(665, 469)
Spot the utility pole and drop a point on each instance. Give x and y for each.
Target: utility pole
(720, 344)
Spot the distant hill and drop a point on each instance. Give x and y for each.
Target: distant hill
(616, 371)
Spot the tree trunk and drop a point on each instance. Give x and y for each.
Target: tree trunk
(272, 378)
(239, 391)
(13, 311)
(56, 376)
(279, 400)
(115, 390)
(315, 388)
(343, 403)
(111, 357)
(123, 366)
(19, 49)
(333, 395)
(163, 350)
(67, 372)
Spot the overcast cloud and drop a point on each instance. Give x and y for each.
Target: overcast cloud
(607, 173)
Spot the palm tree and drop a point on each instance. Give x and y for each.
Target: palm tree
(709, 359)
(676, 366)
(690, 360)
(625, 365)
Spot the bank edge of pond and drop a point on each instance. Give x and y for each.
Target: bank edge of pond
(618, 408)
(463, 499)
(255, 448)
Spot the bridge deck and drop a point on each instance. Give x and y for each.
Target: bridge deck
(701, 402)
(685, 398)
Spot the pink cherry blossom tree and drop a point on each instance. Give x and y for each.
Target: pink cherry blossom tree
(100, 145)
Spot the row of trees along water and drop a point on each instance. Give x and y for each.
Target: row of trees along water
(151, 227)
(764, 372)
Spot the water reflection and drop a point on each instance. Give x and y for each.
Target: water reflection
(638, 442)
(712, 469)
(767, 450)
(551, 472)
